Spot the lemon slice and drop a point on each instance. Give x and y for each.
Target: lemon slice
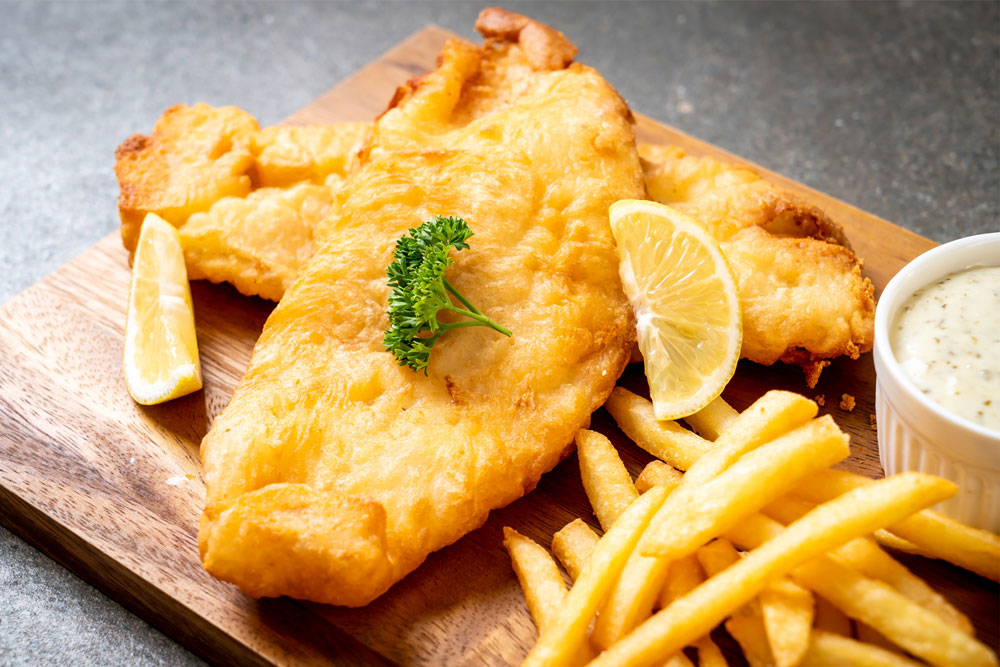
(161, 350)
(686, 303)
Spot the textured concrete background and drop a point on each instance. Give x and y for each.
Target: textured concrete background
(892, 107)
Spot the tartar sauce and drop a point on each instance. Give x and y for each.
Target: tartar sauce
(946, 337)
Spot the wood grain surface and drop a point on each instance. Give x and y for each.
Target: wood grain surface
(113, 490)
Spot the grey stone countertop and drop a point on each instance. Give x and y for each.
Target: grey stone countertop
(892, 107)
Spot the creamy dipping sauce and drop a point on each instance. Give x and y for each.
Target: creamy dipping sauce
(946, 338)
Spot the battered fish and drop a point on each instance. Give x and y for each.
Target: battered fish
(333, 472)
(246, 200)
(803, 296)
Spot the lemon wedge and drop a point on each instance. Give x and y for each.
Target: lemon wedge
(686, 304)
(161, 349)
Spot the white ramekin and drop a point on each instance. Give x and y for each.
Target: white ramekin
(915, 433)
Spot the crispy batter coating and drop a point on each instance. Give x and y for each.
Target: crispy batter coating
(334, 472)
(288, 154)
(195, 156)
(260, 242)
(237, 193)
(727, 197)
(803, 296)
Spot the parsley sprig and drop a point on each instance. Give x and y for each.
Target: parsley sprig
(419, 291)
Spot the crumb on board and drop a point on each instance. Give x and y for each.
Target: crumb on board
(847, 402)
(820, 400)
(871, 422)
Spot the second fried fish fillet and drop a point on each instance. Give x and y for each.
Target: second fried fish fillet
(333, 472)
(803, 296)
(245, 200)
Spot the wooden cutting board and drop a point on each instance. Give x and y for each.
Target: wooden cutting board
(113, 490)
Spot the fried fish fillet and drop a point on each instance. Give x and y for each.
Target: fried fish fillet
(803, 296)
(245, 200)
(333, 472)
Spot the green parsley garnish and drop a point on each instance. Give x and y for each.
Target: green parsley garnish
(419, 291)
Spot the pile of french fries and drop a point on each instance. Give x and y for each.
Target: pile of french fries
(759, 535)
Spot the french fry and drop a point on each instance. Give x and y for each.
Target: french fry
(694, 515)
(905, 623)
(717, 555)
(572, 545)
(678, 660)
(827, 649)
(634, 594)
(657, 473)
(631, 599)
(746, 625)
(666, 440)
(864, 555)
(709, 654)
(635, 591)
(901, 620)
(782, 618)
(829, 525)
(888, 540)
(712, 419)
(543, 586)
(557, 646)
(830, 619)
(772, 415)
(605, 479)
(748, 631)
(971, 548)
(787, 610)
(541, 583)
(685, 575)
(869, 635)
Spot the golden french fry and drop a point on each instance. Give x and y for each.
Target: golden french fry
(712, 419)
(568, 631)
(783, 616)
(631, 600)
(678, 660)
(974, 549)
(747, 625)
(543, 586)
(905, 623)
(901, 620)
(827, 649)
(829, 525)
(572, 545)
(787, 609)
(696, 512)
(709, 654)
(830, 619)
(864, 555)
(605, 479)
(716, 556)
(869, 635)
(666, 440)
(693, 516)
(748, 631)
(657, 473)
(685, 574)
(890, 541)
